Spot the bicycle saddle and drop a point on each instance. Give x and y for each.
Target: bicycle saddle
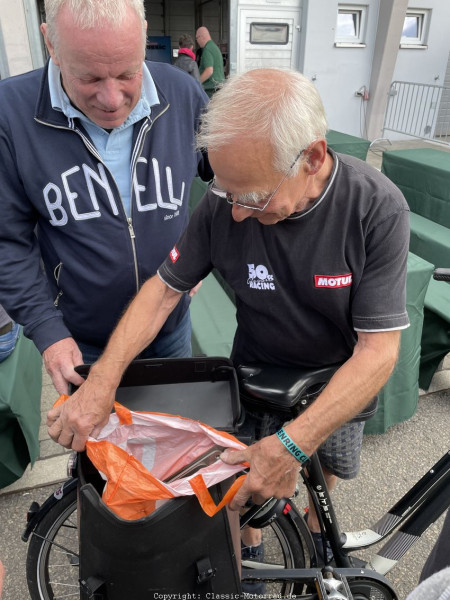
(286, 390)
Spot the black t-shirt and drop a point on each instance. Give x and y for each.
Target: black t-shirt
(305, 285)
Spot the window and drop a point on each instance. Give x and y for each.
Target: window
(415, 29)
(350, 26)
(269, 33)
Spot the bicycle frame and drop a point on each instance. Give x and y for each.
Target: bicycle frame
(316, 485)
(314, 578)
(408, 514)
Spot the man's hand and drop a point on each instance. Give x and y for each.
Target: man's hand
(59, 360)
(84, 414)
(273, 471)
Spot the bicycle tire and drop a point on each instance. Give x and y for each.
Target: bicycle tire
(52, 559)
(367, 589)
(284, 546)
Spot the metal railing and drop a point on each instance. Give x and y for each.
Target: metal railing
(419, 110)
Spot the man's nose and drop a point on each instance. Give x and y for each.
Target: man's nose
(110, 95)
(240, 213)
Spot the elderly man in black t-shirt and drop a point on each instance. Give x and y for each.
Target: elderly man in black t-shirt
(314, 245)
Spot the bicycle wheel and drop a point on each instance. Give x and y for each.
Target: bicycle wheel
(366, 589)
(52, 559)
(53, 566)
(284, 548)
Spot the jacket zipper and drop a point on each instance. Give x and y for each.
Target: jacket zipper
(133, 246)
(146, 127)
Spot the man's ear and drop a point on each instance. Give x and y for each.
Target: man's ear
(50, 48)
(315, 156)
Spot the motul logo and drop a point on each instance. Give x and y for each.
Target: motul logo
(335, 281)
(174, 254)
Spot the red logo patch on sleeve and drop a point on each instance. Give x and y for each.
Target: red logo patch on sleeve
(174, 254)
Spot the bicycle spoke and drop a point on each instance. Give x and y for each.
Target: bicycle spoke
(56, 544)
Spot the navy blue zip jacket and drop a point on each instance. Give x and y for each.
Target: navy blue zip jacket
(59, 203)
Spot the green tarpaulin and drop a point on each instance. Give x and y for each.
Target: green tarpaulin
(398, 398)
(348, 144)
(436, 330)
(423, 175)
(20, 413)
(429, 240)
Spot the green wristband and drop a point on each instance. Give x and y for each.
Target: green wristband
(292, 446)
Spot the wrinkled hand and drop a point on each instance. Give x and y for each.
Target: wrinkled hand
(59, 360)
(84, 414)
(273, 471)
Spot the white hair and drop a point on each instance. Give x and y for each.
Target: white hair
(278, 107)
(91, 13)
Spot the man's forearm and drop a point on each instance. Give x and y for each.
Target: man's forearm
(206, 74)
(138, 327)
(87, 410)
(349, 391)
(273, 469)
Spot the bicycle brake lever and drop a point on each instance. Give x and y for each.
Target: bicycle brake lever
(254, 510)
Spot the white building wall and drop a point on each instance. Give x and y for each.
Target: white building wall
(338, 72)
(427, 65)
(15, 37)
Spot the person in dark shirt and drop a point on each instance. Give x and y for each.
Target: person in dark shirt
(186, 57)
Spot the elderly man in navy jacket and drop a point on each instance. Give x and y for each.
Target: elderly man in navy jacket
(96, 162)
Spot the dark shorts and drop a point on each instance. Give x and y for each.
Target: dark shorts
(339, 454)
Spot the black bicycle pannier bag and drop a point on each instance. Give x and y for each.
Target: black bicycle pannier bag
(203, 388)
(177, 549)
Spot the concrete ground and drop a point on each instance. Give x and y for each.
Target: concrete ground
(391, 463)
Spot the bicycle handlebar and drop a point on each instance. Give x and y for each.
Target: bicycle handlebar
(442, 275)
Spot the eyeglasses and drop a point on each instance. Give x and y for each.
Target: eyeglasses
(254, 203)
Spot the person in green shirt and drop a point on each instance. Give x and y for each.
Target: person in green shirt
(211, 61)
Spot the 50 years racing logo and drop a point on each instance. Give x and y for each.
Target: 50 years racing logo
(259, 278)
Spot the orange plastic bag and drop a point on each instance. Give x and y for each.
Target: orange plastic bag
(136, 451)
